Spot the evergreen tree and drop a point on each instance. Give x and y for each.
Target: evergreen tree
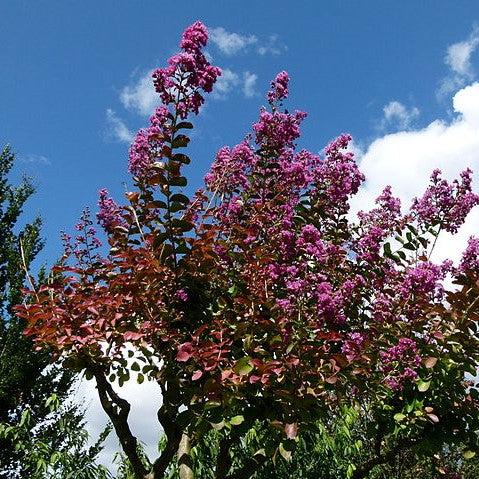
(31, 429)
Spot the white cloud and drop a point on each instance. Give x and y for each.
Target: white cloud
(35, 159)
(117, 127)
(458, 59)
(141, 97)
(225, 83)
(398, 115)
(458, 55)
(230, 80)
(230, 43)
(406, 159)
(271, 46)
(145, 399)
(249, 84)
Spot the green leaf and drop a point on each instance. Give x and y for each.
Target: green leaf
(236, 420)
(180, 141)
(135, 366)
(180, 198)
(182, 248)
(25, 419)
(350, 471)
(184, 124)
(399, 417)
(181, 158)
(287, 455)
(243, 366)
(140, 378)
(178, 181)
(423, 386)
(411, 229)
(468, 454)
(166, 250)
(175, 207)
(160, 238)
(218, 425)
(182, 225)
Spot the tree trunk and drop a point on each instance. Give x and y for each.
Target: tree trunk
(184, 459)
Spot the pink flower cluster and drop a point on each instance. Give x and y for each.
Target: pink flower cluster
(187, 73)
(353, 345)
(422, 281)
(228, 172)
(400, 362)
(377, 225)
(179, 85)
(86, 241)
(470, 258)
(109, 213)
(446, 204)
(279, 88)
(148, 143)
(338, 176)
(277, 131)
(387, 213)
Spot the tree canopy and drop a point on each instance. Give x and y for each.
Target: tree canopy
(259, 301)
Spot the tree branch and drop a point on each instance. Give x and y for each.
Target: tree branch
(173, 438)
(118, 410)
(184, 459)
(223, 459)
(363, 471)
(249, 468)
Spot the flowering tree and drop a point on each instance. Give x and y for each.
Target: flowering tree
(258, 301)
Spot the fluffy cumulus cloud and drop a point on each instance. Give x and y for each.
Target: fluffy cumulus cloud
(230, 43)
(249, 84)
(405, 160)
(397, 115)
(225, 83)
(230, 81)
(117, 128)
(271, 46)
(458, 59)
(140, 97)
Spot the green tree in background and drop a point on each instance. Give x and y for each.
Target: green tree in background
(38, 425)
(334, 449)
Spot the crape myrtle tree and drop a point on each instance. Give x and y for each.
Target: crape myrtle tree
(258, 303)
(40, 435)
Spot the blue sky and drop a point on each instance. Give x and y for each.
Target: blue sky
(65, 65)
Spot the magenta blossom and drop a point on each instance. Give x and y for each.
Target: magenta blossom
(470, 258)
(446, 204)
(279, 88)
(109, 213)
